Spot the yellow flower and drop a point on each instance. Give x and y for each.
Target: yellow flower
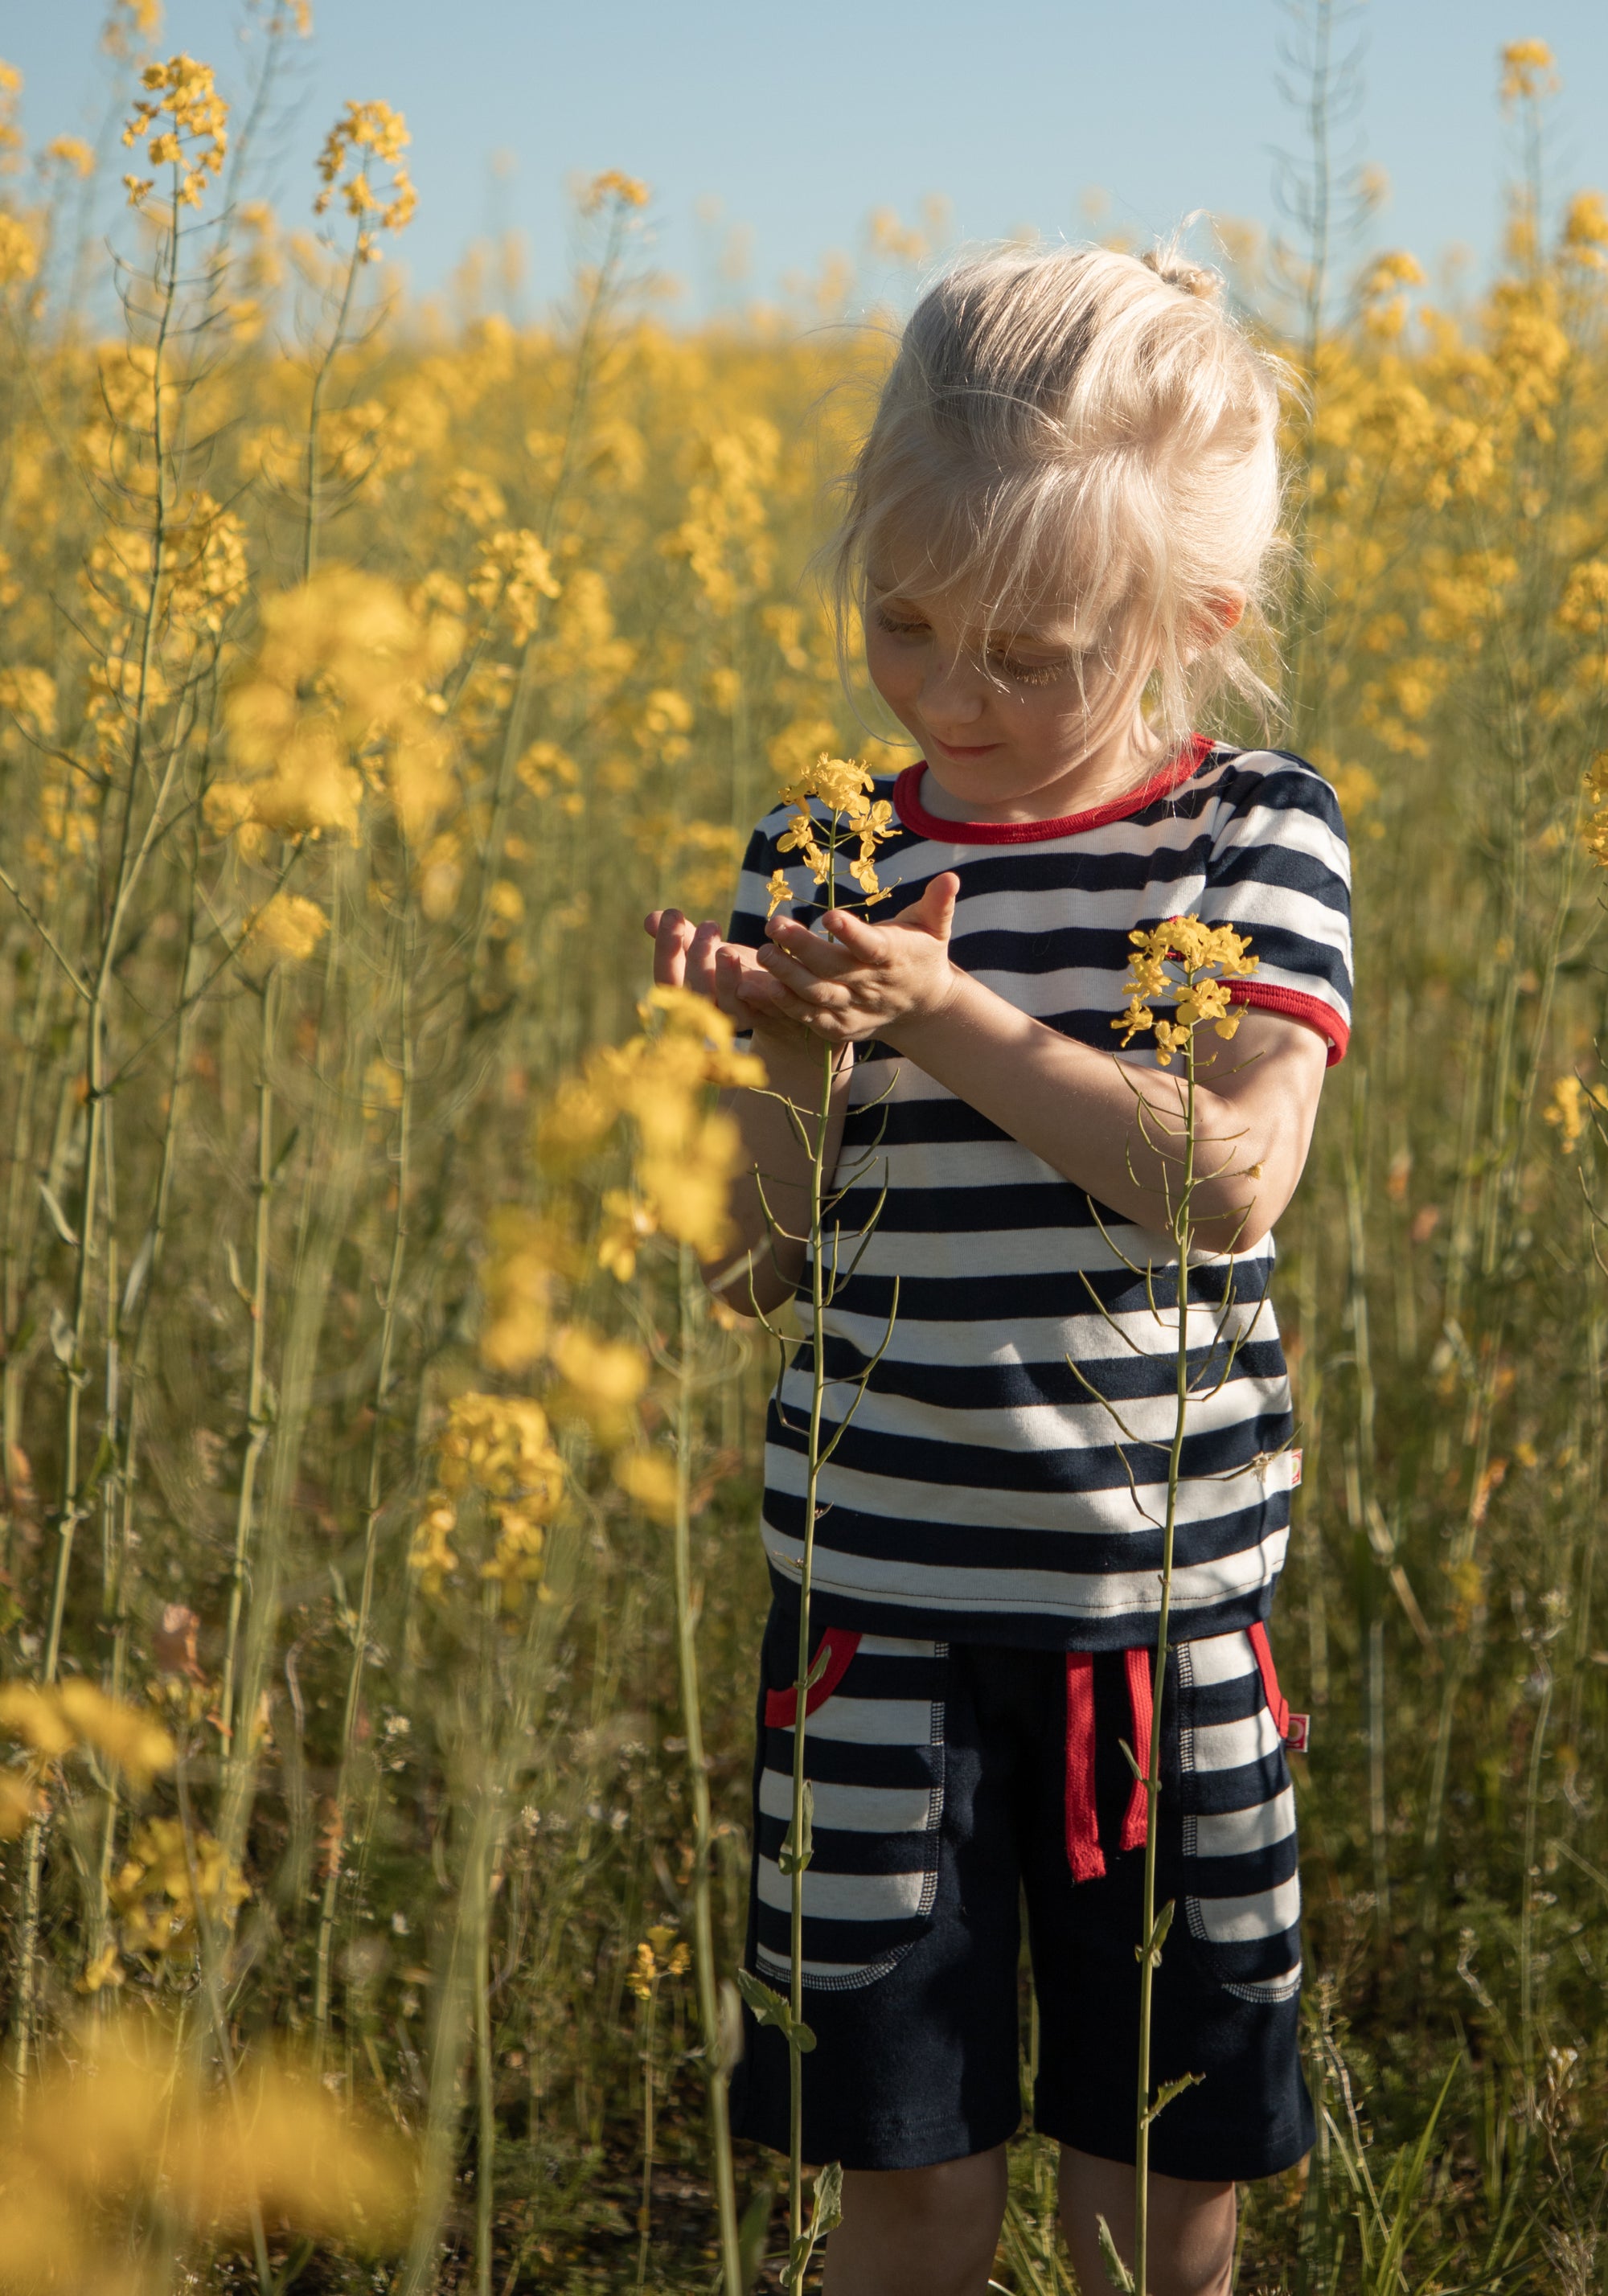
(71, 152)
(602, 1378)
(1570, 1109)
(289, 925)
(1528, 71)
(779, 893)
(627, 1225)
(368, 134)
(20, 1802)
(612, 188)
(196, 136)
(431, 1554)
(135, 1741)
(1206, 957)
(649, 1478)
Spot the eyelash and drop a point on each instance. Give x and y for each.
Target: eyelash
(1018, 673)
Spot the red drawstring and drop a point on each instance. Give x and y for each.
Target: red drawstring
(1083, 1852)
(1140, 1706)
(1278, 1705)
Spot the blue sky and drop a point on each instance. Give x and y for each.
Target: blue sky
(788, 124)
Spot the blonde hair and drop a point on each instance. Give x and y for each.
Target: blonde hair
(1088, 430)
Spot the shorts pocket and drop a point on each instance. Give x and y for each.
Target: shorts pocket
(873, 1754)
(1241, 1883)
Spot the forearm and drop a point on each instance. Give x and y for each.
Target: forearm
(770, 1200)
(1112, 1128)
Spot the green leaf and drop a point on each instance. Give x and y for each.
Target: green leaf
(767, 2006)
(829, 2200)
(826, 2215)
(1116, 2271)
(795, 1862)
(1158, 1935)
(771, 2009)
(1168, 2091)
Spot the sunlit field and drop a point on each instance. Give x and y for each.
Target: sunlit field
(379, 1582)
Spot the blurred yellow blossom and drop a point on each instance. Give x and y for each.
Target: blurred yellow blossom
(1570, 1107)
(289, 925)
(366, 135)
(1528, 70)
(167, 1884)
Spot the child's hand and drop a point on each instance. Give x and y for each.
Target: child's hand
(866, 978)
(686, 955)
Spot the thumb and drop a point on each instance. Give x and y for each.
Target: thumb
(934, 913)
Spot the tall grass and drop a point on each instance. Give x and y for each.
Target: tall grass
(313, 901)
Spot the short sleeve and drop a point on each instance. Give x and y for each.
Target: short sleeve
(1280, 870)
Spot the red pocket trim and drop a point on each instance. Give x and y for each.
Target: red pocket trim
(782, 1705)
(1278, 1705)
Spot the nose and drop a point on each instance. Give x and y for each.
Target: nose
(951, 691)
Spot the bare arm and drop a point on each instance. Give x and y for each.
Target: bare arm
(1105, 1124)
(776, 1168)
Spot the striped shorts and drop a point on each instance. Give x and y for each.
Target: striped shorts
(954, 1785)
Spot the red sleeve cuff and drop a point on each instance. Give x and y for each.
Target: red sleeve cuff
(1296, 1007)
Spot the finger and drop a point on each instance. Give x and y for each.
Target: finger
(934, 913)
(701, 959)
(828, 1028)
(853, 934)
(818, 994)
(670, 940)
(811, 949)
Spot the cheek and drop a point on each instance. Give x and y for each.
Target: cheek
(890, 669)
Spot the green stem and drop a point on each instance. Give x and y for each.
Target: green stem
(256, 1309)
(818, 1328)
(372, 1499)
(1150, 1955)
(688, 1603)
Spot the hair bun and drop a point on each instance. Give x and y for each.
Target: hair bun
(1174, 270)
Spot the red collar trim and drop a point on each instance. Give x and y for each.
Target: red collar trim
(915, 814)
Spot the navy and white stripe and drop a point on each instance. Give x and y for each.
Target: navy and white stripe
(1242, 1888)
(982, 1493)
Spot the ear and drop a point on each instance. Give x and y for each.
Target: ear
(1224, 612)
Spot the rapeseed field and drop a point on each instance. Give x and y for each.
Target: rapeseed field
(379, 1583)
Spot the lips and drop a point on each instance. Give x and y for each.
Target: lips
(953, 750)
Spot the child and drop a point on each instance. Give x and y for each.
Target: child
(1057, 533)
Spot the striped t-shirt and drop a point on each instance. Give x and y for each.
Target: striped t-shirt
(981, 1492)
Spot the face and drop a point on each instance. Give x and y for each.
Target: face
(1007, 727)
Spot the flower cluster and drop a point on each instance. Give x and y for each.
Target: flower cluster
(660, 1954)
(72, 1716)
(843, 785)
(337, 703)
(684, 1155)
(1189, 965)
(183, 124)
(498, 1449)
(1571, 1107)
(513, 577)
(167, 1884)
(613, 189)
(369, 134)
